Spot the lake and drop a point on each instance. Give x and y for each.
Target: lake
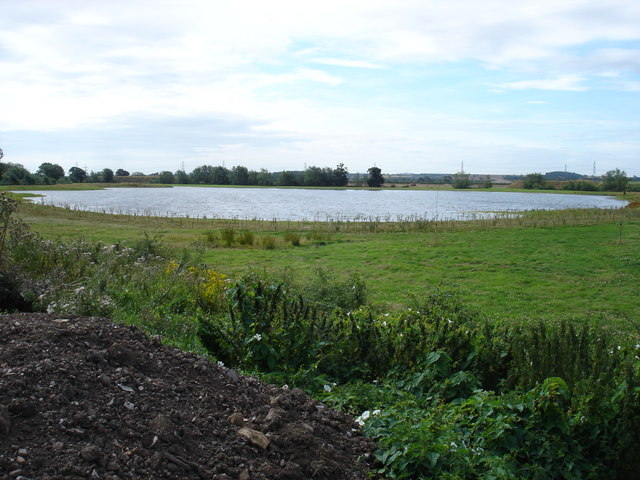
(316, 204)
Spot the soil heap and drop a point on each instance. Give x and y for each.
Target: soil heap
(84, 398)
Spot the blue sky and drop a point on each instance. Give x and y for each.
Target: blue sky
(411, 85)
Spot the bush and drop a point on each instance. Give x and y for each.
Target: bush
(269, 242)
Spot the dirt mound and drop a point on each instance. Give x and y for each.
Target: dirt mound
(85, 398)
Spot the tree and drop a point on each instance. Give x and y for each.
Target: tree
(181, 177)
(615, 181)
(107, 175)
(287, 178)
(77, 175)
(313, 177)
(375, 179)
(534, 181)
(461, 180)
(263, 177)
(16, 174)
(221, 176)
(202, 175)
(51, 170)
(166, 177)
(121, 173)
(340, 176)
(239, 175)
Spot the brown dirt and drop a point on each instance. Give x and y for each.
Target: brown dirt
(83, 398)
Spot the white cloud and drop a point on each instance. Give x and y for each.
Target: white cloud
(79, 65)
(350, 63)
(570, 83)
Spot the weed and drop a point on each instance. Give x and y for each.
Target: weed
(269, 242)
(228, 236)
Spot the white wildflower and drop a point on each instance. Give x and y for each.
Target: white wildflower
(363, 418)
(327, 388)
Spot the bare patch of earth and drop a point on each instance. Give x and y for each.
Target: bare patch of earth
(84, 398)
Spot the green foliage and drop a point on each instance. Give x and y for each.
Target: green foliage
(51, 170)
(615, 181)
(246, 238)
(580, 186)
(77, 175)
(269, 242)
(375, 180)
(461, 180)
(228, 236)
(293, 238)
(534, 181)
(8, 206)
(322, 287)
(16, 174)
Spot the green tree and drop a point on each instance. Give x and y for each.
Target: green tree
(107, 175)
(534, 181)
(16, 174)
(77, 175)
(182, 177)
(121, 173)
(239, 175)
(375, 179)
(221, 176)
(264, 177)
(340, 176)
(51, 170)
(202, 175)
(615, 181)
(317, 177)
(166, 177)
(288, 178)
(461, 180)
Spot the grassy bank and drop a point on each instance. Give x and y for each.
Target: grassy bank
(566, 264)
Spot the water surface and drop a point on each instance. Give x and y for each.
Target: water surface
(316, 204)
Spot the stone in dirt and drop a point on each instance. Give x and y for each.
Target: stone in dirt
(63, 414)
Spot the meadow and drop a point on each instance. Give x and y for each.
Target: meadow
(494, 349)
(568, 264)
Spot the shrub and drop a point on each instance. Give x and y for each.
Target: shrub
(269, 242)
(246, 238)
(292, 237)
(228, 236)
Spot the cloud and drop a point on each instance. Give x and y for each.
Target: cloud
(567, 83)
(338, 62)
(347, 80)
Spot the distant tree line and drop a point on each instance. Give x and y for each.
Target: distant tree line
(49, 173)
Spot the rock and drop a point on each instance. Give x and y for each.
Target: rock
(121, 355)
(236, 419)
(90, 453)
(232, 375)
(254, 437)
(164, 427)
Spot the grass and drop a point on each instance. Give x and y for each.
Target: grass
(541, 265)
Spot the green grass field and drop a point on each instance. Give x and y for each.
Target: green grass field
(577, 264)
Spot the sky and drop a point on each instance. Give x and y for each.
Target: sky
(421, 86)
